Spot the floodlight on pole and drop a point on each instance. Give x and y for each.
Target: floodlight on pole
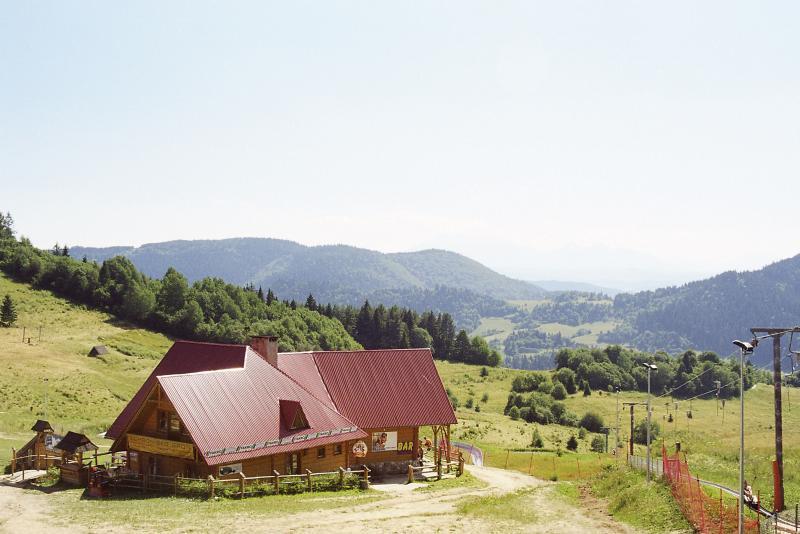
(650, 367)
(745, 348)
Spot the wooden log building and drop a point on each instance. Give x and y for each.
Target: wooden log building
(220, 410)
(39, 452)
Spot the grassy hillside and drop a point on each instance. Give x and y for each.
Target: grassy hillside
(85, 394)
(82, 393)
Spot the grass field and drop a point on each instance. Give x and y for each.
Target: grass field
(53, 378)
(494, 329)
(568, 331)
(85, 394)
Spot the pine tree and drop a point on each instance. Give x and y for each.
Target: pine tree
(8, 313)
(260, 294)
(65, 251)
(462, 347)
(311, 303)
(293, 304)
(271, 297)
(364, 331)
(56, 249)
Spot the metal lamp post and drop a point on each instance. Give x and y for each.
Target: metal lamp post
(745, 349)
(650, 367)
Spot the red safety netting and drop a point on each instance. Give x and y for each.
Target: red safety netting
(707, 514)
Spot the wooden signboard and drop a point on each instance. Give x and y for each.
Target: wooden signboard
(164, 447)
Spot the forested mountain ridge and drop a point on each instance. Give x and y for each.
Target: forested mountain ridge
(708, 314)
(426, 280)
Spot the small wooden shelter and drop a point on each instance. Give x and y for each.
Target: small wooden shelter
(72, 448)
(38, 453)
(98, 350)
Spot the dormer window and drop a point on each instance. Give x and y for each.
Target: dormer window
(292, 415)
(299, 420)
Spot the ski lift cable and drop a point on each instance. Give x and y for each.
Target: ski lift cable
(676, 388)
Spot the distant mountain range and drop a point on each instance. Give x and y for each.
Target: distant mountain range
(709, 314)
(333, 273)
(704, 315)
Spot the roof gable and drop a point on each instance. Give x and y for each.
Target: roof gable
(243, 413)
(182, 357)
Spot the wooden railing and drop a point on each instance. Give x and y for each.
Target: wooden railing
(457, 462)
(243, 486)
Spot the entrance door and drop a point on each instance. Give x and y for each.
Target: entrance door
(293, 463)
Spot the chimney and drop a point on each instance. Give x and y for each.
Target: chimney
(266, 347)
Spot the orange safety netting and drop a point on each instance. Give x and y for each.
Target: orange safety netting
(707, 514)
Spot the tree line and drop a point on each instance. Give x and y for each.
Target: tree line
(402, 328)
(207, 310)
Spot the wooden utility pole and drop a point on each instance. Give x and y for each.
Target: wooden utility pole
(632, 404)
(777, 379)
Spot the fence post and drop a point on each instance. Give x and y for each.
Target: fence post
(210, 486)
(555, 469)
(507, 453)
(13, 460)
(308, 477)
(410, 473)
(277, 481)
(439, 469)
(366, 476)
(241, 485)
(341, 477)
(530, 463)
(579, 467)
(460, 463)
(175, 488)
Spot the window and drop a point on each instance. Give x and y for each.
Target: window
(337, 448)
(292, 463)
(163, 421)
(321, 452)
(299, 420)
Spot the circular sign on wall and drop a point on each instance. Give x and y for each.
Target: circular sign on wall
(359, 449)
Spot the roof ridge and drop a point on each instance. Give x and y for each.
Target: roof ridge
(209, 343)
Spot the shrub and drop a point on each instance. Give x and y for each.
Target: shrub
(514, 413)
(586, 389)
(592, 422)
(598, 444)
(485, 398)
(477, 407)
(537, 442)
(572, 443)
(640, 432)
(581, 433)
(484, 371)
(559, 391)
(566, 377)
(469, 403)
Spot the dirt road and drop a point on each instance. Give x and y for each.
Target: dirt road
(24, 511)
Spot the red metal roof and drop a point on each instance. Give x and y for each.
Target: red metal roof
(235, 414)
(302, 368)
(378, 388)
(182, 357)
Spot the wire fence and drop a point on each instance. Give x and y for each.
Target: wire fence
(706, 514)
(640, 463)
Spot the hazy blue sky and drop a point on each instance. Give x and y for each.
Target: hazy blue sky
(615, 142)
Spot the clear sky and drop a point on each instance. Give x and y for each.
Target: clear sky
(625, 143)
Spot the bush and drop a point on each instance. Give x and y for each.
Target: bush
(537, 442)
(514, 413)
(469, 403)
(484, 371)
(485, 398)
(598, 444)
(477, 407)
(581, 433)
(559, 391)
(640, 432)
(592, 422)
(566, 377)
(572, 443)
(586, 389)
